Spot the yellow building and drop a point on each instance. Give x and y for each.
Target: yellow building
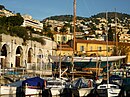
(64, 49)
(62, 38)
(100, 48)
(93, 47)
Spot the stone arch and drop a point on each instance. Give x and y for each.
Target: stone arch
(39, 59)
(30, 55)
(5, 52)
(19, 56)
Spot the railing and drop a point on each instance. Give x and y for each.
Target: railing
(39, 66)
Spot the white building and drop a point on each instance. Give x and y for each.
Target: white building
(6, 13)
(30, 22)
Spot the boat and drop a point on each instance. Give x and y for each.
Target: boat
(33, 86)
(8, 90)
(83, 65)
(86, 63)
(107, 89)
(56, 86)
(86, 59)
(126, 86)
(82, 86)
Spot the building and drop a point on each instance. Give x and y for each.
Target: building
(6, 13)
(30, 22)
(64, 50)
(100, 48)
(62, 38)
(93, 47)
(32, 56)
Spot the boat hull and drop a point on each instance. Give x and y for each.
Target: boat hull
(108, 90)
(32, 92)
(56, 91)
(84, 91)
(7, 90)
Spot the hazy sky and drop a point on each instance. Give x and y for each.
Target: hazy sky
(41, 9)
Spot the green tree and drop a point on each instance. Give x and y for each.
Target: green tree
(41, 40)
(55, 29)
(2, 7)
(110, 34)
(67, 25)
(3, 20)
(128, 32)
(103, 27)
(122, 49)
(63, 29)
(46, 28)
(19, 31)
(49, 34)
(15, 20)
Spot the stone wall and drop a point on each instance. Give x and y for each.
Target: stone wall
(33, 55)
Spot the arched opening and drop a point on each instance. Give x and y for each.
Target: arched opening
(4, 53)
(29, 60)
(19, 57)
(39, 60)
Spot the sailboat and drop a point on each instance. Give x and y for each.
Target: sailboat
(80, 86)
(107, 89)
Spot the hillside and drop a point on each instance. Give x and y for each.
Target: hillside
(68, 18)
(99, 15)
(111, 15)
(2, 7)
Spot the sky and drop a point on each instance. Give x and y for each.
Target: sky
(41, 9)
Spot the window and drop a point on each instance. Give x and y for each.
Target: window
(81, 48)
(63, 38)
(109, 49)
(58, 38)
(91, 48)
(100, 49)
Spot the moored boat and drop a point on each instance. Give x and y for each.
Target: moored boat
(56, 86)
(80, 87)
(108, 90)
(85, 63)
(33, 86)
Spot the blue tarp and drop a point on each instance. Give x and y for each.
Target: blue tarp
(80, 83)
(35, 81)
(115, 77)
(16, 84)
(12, 73)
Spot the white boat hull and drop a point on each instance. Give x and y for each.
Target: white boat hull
(56, 91)
(7, 90)
(86, 59)
(32, 92)
(84, 91)
(112, 90)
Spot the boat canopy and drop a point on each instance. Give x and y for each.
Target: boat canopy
(35, 81)
(81, 83)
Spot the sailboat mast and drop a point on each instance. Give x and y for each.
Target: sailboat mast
(116, 32)
(107, 47)
(74, 23)
(60, 62)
